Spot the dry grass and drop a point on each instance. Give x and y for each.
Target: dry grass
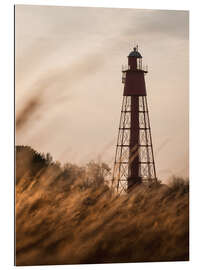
(61, 221)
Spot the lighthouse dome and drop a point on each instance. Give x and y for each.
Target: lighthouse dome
(135, 53)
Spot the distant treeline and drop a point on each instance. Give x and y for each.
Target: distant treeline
(93, 173)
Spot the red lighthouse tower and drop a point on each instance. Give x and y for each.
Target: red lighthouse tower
(134, 159)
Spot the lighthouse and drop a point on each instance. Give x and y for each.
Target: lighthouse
(134, 158)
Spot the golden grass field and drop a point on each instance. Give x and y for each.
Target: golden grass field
(61, 220)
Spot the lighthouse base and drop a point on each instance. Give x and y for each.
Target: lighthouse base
(133, 182)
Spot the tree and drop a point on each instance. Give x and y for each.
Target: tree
(49, 159)
(73, 171)
(96, 172)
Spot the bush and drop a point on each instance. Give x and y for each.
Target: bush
(179, 184)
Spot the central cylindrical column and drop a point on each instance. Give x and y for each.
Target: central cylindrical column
(134, 143)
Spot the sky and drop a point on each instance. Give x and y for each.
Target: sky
(68, 64)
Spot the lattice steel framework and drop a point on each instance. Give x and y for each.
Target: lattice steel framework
(134, 156)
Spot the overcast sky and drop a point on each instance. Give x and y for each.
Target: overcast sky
(70, 59)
